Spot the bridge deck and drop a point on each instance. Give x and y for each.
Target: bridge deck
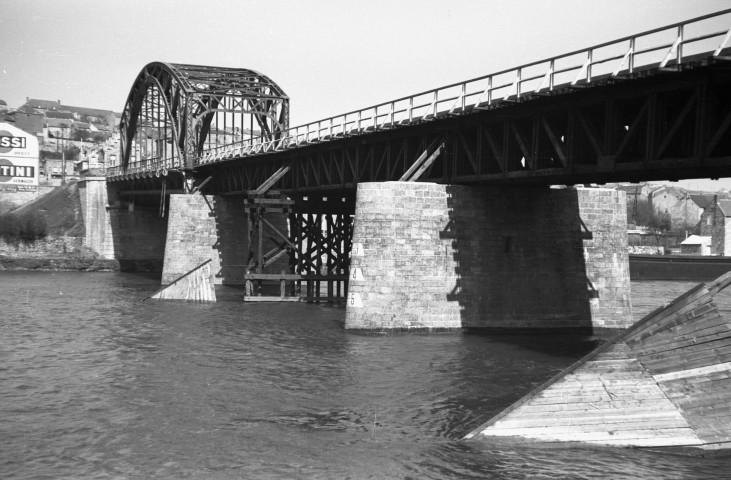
(535, 121)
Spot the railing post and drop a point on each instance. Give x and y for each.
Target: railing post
(411, 109)
(489, 90)
(680, 45)
(632, 55)
(391, 119)
(589, 60)
(550, 76)
(330, 134)
(518, 80)
(464, 94)
(359, 118)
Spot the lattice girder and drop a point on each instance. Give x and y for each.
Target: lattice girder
(174, 112)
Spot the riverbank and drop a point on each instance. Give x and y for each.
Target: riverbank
(59, 264)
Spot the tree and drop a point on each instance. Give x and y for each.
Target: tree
(72, 152)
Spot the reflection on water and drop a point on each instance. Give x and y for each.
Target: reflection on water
(95, 384)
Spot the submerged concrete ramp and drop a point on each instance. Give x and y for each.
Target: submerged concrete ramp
(664, 382)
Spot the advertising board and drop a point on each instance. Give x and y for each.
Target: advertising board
(18, 160)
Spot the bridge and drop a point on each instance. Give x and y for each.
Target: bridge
(651, 106)
(452, 180)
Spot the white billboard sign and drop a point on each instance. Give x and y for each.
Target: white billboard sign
(18, 160)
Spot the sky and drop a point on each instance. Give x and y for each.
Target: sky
(329, 56)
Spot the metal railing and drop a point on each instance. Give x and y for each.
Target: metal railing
(665, 47)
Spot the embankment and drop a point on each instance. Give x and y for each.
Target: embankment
(60, 244)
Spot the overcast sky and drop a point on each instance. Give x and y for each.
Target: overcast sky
(329, 56)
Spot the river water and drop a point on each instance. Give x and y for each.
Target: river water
(96, 384)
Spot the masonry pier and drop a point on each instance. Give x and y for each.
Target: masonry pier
(206, 227)
(418, 256)
(441, 257)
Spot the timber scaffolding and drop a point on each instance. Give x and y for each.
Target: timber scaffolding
(664, 382)
(315, 237)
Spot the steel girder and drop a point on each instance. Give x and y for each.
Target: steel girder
(174, 112)
(663, 125)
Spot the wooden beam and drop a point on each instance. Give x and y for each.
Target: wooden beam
(414, 166)
(427, 163)
(272, 180)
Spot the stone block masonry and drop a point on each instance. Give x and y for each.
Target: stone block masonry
(428, 256)
(97, 221)
(203, 227)
(212, 227)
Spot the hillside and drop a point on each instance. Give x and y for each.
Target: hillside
(61, 208)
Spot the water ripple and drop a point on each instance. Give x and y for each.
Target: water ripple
(95, 384)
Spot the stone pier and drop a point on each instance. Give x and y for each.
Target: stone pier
(203, 227)
(432, 257)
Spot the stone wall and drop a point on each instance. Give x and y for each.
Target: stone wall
(49, 247)
(713, 224)
(431, 256)
(645, 250)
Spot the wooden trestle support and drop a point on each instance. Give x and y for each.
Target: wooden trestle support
(313, 233)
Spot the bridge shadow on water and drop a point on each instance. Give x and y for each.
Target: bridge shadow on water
(519, 259)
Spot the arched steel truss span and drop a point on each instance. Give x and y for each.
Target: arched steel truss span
(174, 112)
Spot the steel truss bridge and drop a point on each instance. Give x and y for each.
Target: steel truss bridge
(651, 106)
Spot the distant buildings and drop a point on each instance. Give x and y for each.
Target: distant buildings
(71, 139)
(676, 202)
(696, 245)
(715, 223)
(700, 223)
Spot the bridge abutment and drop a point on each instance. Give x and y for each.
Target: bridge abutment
(117, 227)
(97, 223)
(429, 256)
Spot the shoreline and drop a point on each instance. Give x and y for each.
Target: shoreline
(58, 264)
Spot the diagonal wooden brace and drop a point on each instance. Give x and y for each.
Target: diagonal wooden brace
(422, 163)
(269, 183)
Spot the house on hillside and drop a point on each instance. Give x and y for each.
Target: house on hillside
(676, 202)
(52, 109)
(30, 122)
(715, 222)
(66, 125)
(58, 132)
